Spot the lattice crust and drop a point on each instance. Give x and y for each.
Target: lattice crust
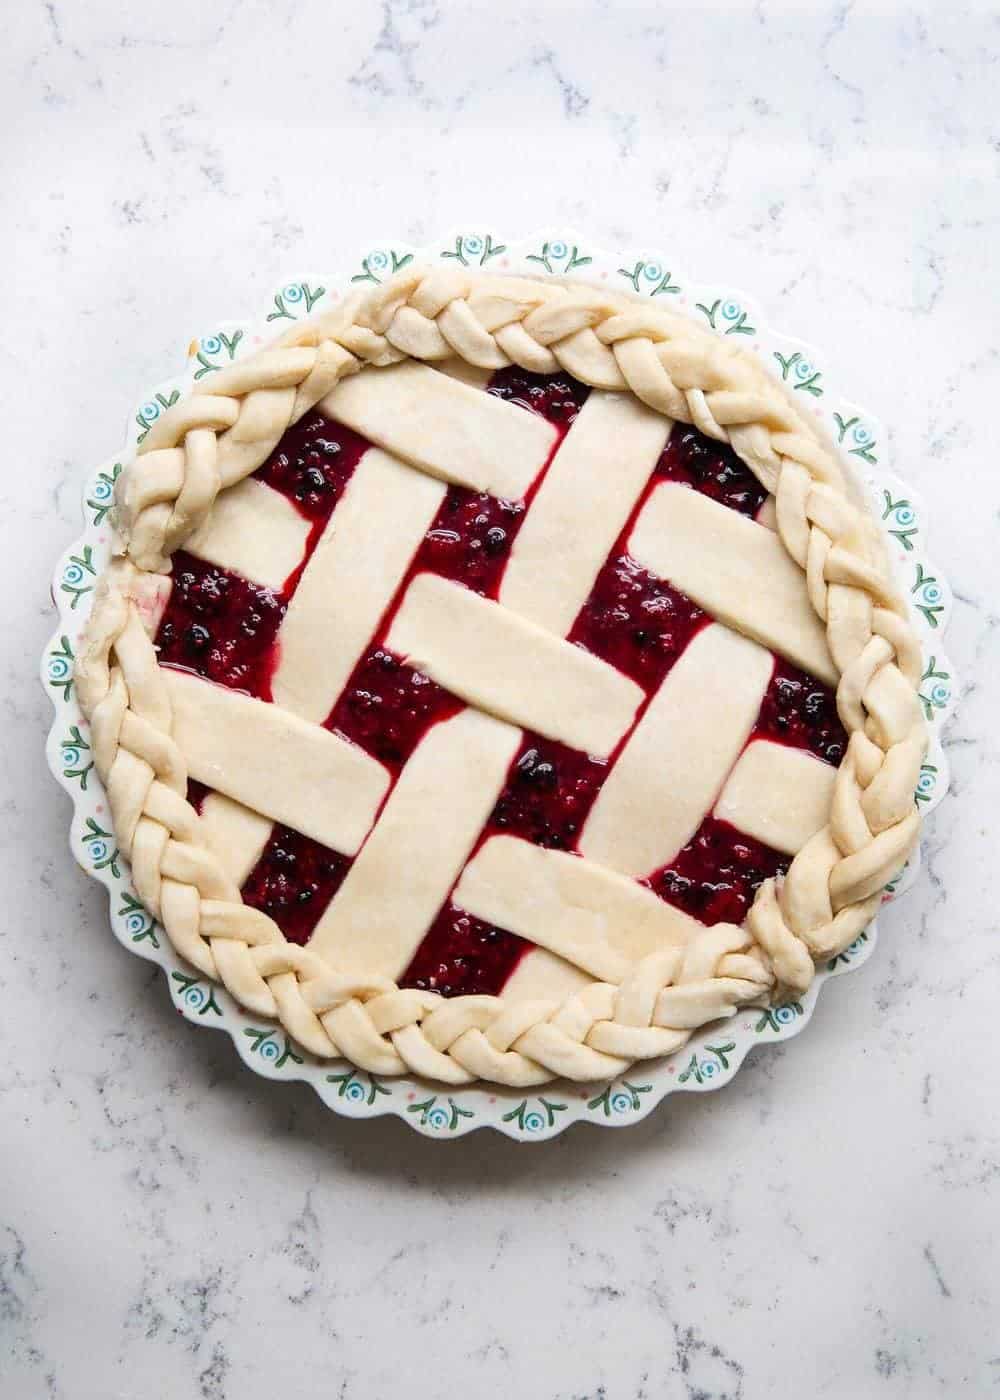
(649, 1006)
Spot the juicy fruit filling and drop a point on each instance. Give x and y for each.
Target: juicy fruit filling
(715, 876)
(294, 880)
(224, 627)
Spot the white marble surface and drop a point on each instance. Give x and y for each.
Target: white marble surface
(172, 1226)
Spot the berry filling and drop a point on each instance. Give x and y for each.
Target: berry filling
(196, 794)
(638, 623)
(470, 539)
(293, 881)
(387, 707)
(716, 875)
(221, 626)
(312, 465)
(712, 468)
(801, 711)
(549, 792)
(463, 956)
(224, 627)
(557, 397)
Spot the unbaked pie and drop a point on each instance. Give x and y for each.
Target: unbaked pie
(500, 680)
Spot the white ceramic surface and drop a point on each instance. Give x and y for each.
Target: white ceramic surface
(169, 1224)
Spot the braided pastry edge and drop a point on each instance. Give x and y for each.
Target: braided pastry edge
(224, 430)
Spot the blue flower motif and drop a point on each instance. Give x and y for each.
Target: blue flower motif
(731, 310)
(558, 250)
(211, 345)
(534, 1121)
(102, 490)
(784, 1015)
(195, 998)
(621, 1103)
(652, 272)
(709, 1069)
(293, 292)
(269, 1050)
(941, 694)
(73, 575)
(926, 782)
(473, 243)
(135, 922)
(437, 1117)
(905, 515)
(355, 1092)
(932, 594)
(149, 411)
(71, 757)
(803, 369)
(58, 668)
(98, 850)
(378, 260)
(862, 436)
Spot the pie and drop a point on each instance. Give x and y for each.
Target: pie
(498, 680)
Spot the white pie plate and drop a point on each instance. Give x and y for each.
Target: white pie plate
(713, 1055)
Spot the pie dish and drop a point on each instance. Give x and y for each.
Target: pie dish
(500, 680)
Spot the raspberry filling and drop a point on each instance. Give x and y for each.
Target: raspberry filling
(716, 875)
(712, 468)
(294, 880)
(637, 622)
(387, 707)
(557, 397)
(221, 626)
(801, 711)
(224, 627)
(549, 792)
(461, 955)
(312, 465)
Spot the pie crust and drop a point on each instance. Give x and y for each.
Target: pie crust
(618, 974)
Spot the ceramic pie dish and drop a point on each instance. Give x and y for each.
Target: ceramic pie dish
(505, 693)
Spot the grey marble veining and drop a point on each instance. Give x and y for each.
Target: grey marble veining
(172, 1226)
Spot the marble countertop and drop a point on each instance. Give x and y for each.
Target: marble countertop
(173, 1226)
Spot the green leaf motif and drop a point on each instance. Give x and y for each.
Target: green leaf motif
(474, 248)
(650, 272)
(619, 1098)
(864, 440)
(702, 1070)
(776, 1018)
(556, 252)
(151, 411)
(378, 262)
(197, 994)
(733, 314)
(100, 847)
(931, 595)
(138, 923)
(435, 1115)
(75, 764)
(295, 296)
(926, 783)
(267, 1046)
(60, 669)
(353, 1087)
(533, 1120)
(76, 573)
(103, 497)
(211, 347)
(804, 377)
(936, 695)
